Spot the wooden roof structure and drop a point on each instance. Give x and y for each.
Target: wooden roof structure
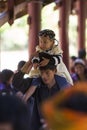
(13, 9)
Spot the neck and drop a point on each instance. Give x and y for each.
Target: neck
(82, 77)
(50, 85)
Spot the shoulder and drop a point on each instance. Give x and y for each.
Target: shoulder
(62, 82)
(36, 81)
(57, 50)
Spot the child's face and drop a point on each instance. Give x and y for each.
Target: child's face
(45, 43)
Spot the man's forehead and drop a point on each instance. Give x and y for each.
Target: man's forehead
(45, 70)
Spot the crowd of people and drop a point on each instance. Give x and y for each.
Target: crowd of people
(46, 76)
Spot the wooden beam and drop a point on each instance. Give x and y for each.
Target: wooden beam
(10, 11)
(64, 12)
(81, 14)
(34, 21)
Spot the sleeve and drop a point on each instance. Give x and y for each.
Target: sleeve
(18, 77)
(36, 82)
(57, 54)
(19, 83)
(56, 59)
(62, 82)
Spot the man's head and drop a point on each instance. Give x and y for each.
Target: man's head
(20, 64)
(46, 39)
(47, 73)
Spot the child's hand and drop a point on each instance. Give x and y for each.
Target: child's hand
(44, 62)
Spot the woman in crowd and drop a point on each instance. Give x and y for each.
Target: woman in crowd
(80, 71)
(6, 80)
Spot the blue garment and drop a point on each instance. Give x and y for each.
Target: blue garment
(61, 81)
(2, 86)
(43, 93)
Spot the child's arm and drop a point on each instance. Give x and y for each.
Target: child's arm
(55, 59)
(29, 93)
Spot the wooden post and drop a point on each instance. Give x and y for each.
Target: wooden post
(64, 12)
(10, 11)
(34, 21)
(81, 12)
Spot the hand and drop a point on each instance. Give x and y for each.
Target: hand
(19, 94)
(27, 67)
(24, 98)
(44, 62)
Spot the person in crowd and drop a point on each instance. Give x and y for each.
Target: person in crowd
(20, 64)
(6, 80)
(71, 64)
(13, 113)
(50, 69)
(82, 55)
(48, 51)
(48, 85)
(19, 82)
(22, 84)
(68, 109)
(80, 71)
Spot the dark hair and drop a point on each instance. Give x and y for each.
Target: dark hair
(48, 66)
(73, 58)
(14, 111)
(47, 32)
(6, 74)
(20, 64)
(82, 53)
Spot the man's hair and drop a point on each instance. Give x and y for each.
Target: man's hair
(13, 111)
(48, 66)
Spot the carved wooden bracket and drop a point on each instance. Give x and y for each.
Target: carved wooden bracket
(10, 12)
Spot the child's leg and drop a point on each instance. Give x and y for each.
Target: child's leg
(63, 71)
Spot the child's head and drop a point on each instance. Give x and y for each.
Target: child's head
(46, 39)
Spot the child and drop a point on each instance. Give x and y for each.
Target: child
(53, 53)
